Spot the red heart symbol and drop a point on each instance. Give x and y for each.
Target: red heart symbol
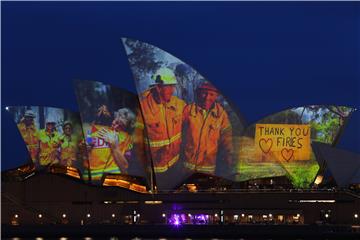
(287, 154)
(265, 145)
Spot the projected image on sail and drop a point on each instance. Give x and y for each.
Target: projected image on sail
(52, 135)
(281, 143)
(191, 127)
(109, 116)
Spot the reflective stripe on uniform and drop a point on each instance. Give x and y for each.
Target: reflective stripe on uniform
(139, 125)
(163, 143)
(169, 164)
(191, 166)
(107, 170)
(97, 173)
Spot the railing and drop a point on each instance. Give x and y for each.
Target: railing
(333, 190)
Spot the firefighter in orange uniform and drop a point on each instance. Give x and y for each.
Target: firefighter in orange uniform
(49, 143)
(100, 159)
(108, 147)
(163, 119)
(29, 133)
(68, 145)
(120, 138)
(207, 131)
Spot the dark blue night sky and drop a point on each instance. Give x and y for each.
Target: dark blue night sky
(265, 57)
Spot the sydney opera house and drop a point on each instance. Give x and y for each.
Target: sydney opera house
(179, 155)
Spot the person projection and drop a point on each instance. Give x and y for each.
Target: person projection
(68, 146)
(207, 134)
(29, 133)
(110, 142)
(100, 158)
(48, 143)
(162, 112)
(119, 137)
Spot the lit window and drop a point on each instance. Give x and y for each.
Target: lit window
(319, 179)
(317, 201)
(153, 202)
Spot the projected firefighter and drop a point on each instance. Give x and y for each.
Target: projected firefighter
(113, 145)
(110, 146)
(207, 135)
(203, 133)
(119, 137)
(29, 133)
(48, 143)
(163, 113)
(69, 144)
(52, 135)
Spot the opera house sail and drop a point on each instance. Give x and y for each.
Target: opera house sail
(179, 153)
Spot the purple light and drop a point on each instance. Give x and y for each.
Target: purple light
(175, 220)
(200, 219)
(178, 219)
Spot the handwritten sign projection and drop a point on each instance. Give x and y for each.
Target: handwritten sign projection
(284, 142)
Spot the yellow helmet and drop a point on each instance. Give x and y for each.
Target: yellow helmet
(164, 76)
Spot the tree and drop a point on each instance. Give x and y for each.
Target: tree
(326, 121)
(142, 58)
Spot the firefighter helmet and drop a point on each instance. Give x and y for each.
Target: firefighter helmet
(67, 123)
(164, 76)
(29, 113)
(207, 86)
